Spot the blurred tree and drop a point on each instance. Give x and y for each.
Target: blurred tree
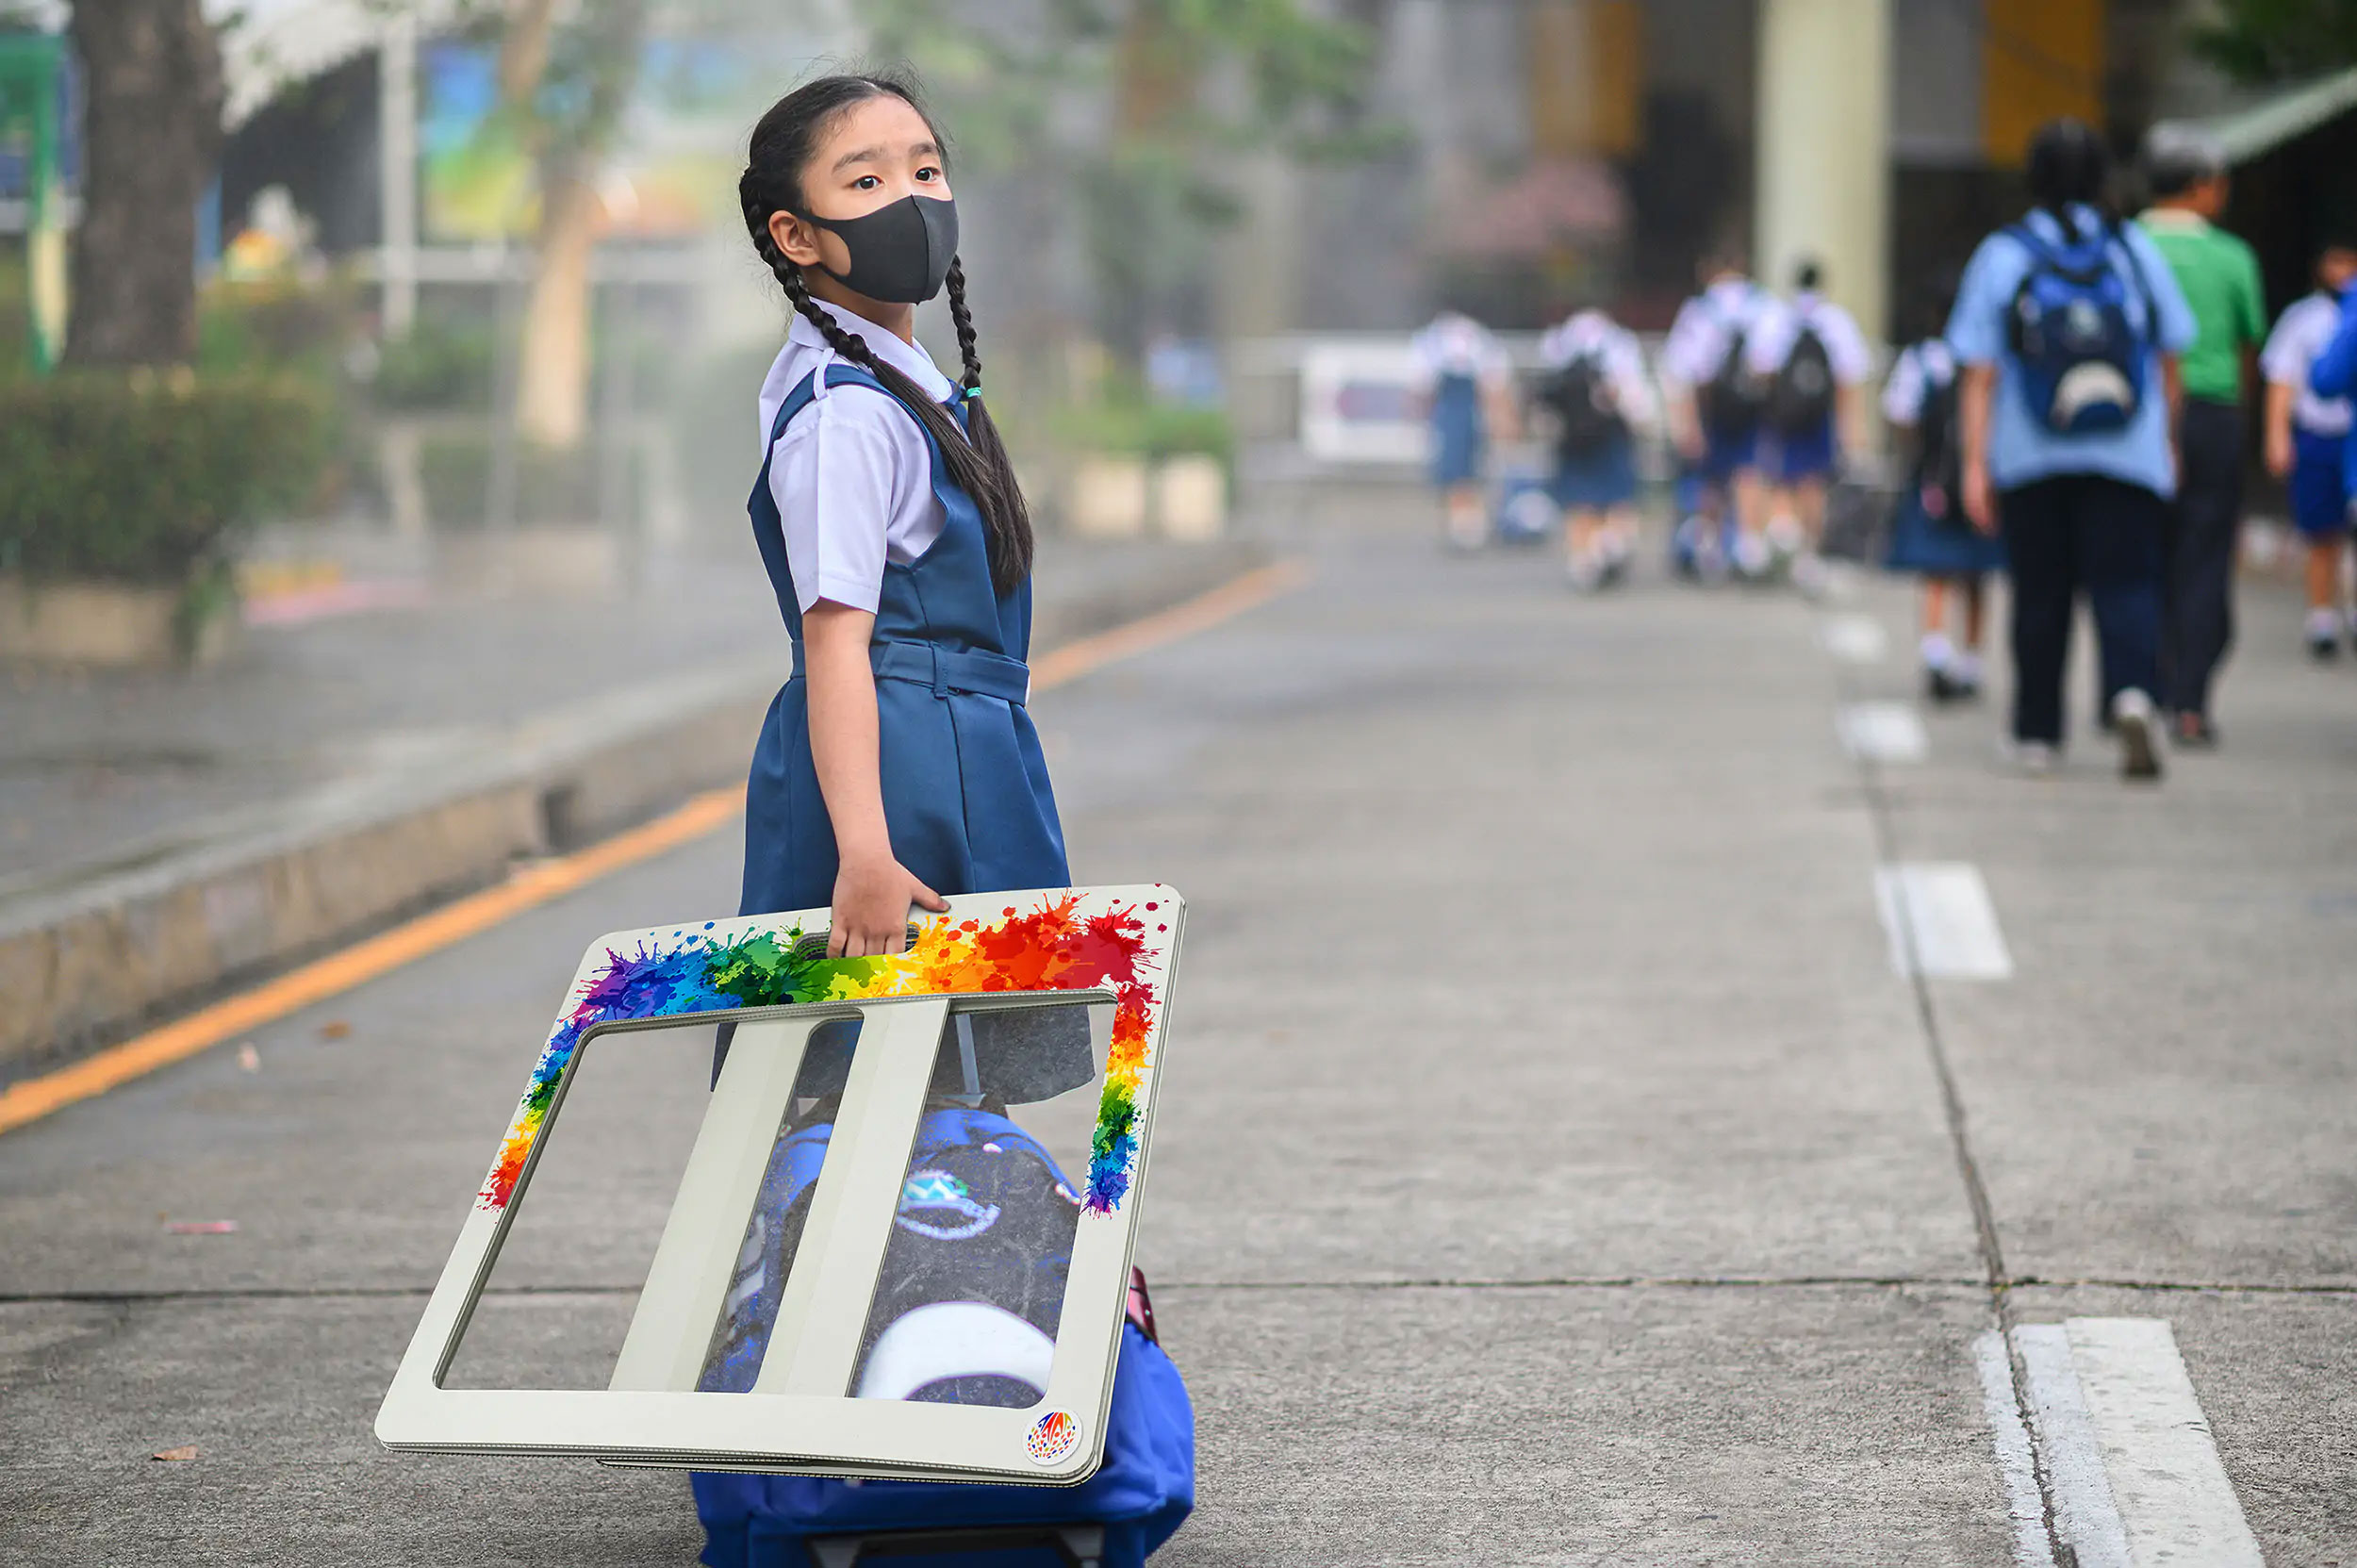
(564, 84)
(1189, 90)
(152, 132)
(2271, 41)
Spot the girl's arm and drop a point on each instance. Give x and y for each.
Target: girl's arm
(872, 889)
(2279, 428)
(1974, 399)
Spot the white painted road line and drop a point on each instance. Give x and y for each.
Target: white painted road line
(2085, 1516)
(1938, 920)
(2023, 1506)
(2168, 1480)
(1855, 637)
(1882, 732)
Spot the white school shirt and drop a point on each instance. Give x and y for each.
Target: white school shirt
(1455, 344)
(1704, 333)
(852, 476)
(1919, 368)
(1777, 331)
(1593, 334)
(2292, 348)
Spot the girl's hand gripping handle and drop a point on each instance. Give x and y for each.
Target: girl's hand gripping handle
(872, 889)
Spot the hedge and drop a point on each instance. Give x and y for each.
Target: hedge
(145, 476)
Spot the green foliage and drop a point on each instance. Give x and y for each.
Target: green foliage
(553, 488)
(148, 477)
(1130, 425)
(280, 325)
(2273, 40)
(442, 362)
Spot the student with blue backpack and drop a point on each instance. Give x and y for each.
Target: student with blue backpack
(2067, 326)
(2335, 375)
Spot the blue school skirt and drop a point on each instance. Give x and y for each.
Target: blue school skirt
(1939, 547)
(1456, 433)
(1598, 481)
(2319, 485)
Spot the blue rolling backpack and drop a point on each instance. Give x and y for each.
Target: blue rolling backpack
(985, 1226)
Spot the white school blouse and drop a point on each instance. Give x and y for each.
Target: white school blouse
(1776, 330)
(2305, 331)
(1704, 333)
(852, 476)
(1616, 351)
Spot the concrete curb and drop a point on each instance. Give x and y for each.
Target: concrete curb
(84, 964)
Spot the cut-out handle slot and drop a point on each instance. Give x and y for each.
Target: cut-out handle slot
(815, 945)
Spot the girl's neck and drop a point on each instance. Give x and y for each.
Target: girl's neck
(899, 319)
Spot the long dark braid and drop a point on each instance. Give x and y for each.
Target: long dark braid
(781, 145)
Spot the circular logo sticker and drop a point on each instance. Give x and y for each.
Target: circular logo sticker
(1052, 1437)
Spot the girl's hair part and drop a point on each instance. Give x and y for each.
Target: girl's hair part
(783, 145)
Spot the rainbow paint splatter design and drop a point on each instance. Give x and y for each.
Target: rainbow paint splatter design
(1057, 946)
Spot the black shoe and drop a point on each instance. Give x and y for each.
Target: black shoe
(2324, 650)
(1942, 687)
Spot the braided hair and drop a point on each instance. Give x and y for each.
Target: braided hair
(783, 145)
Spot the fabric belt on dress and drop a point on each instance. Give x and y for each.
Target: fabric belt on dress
(946, 670)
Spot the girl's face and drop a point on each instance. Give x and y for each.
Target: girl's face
(877, 152)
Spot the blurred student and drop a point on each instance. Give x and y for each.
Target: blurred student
(1930, 535)
(2305, 435)
(2335, 375)
(1811, 357)
(2219, 278)
(1465, 383)
(1714, 405)
(1593, 383)
(2067, 326)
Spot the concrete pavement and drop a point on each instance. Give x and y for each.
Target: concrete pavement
(1553, 1169)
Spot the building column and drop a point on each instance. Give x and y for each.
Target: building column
(397, 165)
(1823, 141)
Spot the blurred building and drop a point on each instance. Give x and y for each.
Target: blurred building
(1557, 150)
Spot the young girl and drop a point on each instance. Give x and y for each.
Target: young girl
(1931, 535)
(1596, 385)
(1465, 383)
(897, 764)
(2304, 436)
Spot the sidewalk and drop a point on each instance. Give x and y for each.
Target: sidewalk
(528, 724)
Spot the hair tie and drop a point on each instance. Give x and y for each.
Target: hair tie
(974, 392)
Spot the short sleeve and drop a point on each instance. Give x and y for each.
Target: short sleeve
(1845, 345)
(1903, 394)
(832, 476)
(1774, 330)
(1976, 327)
(2285, 361)
(2178, 328)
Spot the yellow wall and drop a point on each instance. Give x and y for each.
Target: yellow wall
(1587, 76)
(2040, 60)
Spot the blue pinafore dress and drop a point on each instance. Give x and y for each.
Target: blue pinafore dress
(966, 790)
(966, 797)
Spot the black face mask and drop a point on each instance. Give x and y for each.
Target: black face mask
(899, 253)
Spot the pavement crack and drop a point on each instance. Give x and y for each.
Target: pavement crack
(1882, 819)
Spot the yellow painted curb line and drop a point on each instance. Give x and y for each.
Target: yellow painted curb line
(29, 1099)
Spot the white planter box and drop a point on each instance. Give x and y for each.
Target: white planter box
(1108, 498)
(105, 625)
(1191, 498)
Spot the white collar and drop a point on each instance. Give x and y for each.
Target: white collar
(908, 358)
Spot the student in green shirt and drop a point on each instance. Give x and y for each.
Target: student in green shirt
(2187, 172)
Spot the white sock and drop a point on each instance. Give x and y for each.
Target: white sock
(2324, 622)
(1966, 666)
(1938, 652)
